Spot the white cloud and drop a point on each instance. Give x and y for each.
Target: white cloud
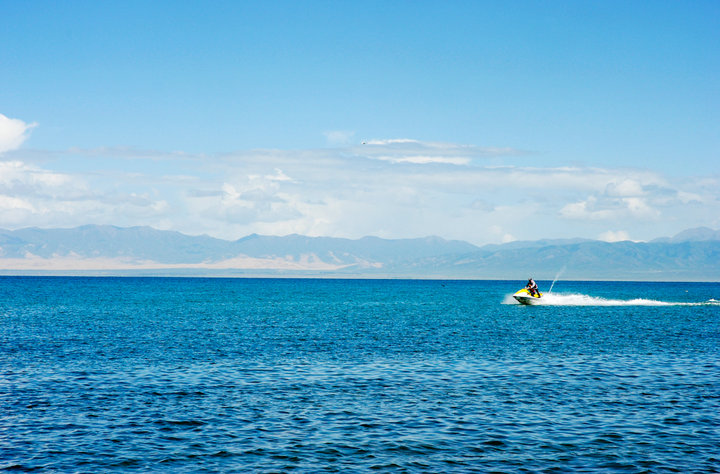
(34, 196)
(577, 210)
(688, 197)
(10, 204)
(13, 132)
(614, 236)
(602, 208)
(624, 188)
(278, 175)
(16, 176)
(639, 207)
(388, 189)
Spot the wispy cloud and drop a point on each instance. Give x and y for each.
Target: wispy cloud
(339, 137)
(424, 159)
(407, 150)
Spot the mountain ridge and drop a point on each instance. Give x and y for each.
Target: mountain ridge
(691, 255)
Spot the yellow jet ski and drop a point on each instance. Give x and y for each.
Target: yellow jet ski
(525, 297)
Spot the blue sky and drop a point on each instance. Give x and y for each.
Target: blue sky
(481, 121)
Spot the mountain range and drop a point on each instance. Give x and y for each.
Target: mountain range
(692, 255)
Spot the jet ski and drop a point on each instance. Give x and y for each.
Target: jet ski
(525, 297)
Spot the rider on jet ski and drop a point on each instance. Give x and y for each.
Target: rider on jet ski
(532, 287)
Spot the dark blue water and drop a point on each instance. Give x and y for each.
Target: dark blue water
(235, 375)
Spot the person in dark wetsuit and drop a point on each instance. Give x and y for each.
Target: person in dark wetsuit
(532, 287)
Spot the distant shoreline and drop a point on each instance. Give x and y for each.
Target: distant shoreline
(309, 276)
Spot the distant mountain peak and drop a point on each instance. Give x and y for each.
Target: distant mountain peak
(697, 234)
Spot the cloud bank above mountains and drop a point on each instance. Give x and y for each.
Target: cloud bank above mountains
(391, 188)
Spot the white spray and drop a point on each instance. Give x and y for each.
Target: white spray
(562, 270)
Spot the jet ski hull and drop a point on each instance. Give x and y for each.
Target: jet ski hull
(525, 297)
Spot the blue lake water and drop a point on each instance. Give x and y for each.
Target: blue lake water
(301, 375)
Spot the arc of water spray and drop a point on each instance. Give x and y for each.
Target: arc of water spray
(562, 270)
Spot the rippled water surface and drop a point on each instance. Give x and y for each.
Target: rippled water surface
(254, 375)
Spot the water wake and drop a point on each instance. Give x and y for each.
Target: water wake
(555, 299)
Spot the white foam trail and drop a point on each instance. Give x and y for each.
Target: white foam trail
(555, 299)
(587, 300)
